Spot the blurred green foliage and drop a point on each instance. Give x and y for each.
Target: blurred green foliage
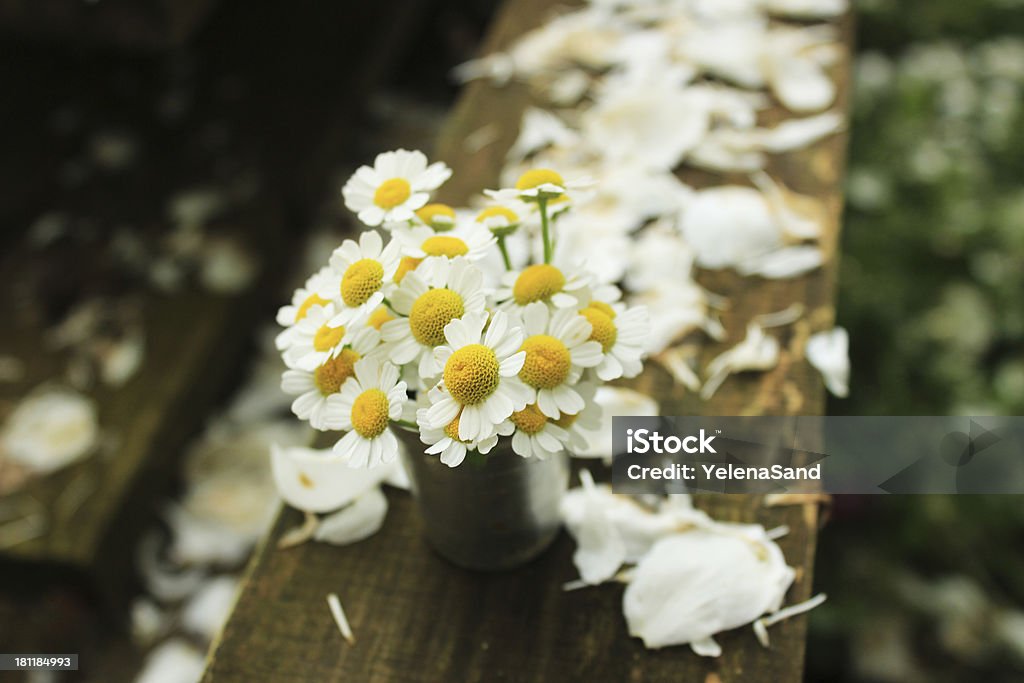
(933, 251)
(930, 588)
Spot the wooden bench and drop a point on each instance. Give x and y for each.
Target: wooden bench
(416, 617)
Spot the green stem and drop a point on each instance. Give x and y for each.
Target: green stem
(504, 252)
(405, 424)
(545, 230)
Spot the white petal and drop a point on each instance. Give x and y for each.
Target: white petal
(615, 401)
(547, 405)
(511, 366)
(470, 423)
(442, 413)
(362, 519)
(318, 480)
(600, 550)
(828, 352)
(693, 585)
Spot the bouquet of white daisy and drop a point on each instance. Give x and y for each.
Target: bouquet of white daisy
(466, 326)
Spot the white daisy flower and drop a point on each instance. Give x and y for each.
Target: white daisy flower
(535, 435)
(429, 298)
(312, 340)
(440, 217)
(319, 388)
(369, 402)
(303, 299)
(378, 317)
(360, 276)
(500, 219)
(541, 183)
(558, 284)
(558, 348)
(479, 376)
(445, 441)
(469, 239)
(622, 336)
(578, 425)
(399, 183)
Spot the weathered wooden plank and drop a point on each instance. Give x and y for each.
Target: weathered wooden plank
(417, 617)
(92, 508)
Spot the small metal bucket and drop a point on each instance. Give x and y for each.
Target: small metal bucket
(491, 512)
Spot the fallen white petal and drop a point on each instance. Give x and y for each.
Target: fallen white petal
(729, 225)
(794, 134)
(50, 429)
(175, 661)
(793, 610)
(208, 609)
(198, 541)
(227, 267)
(621, 524)
(148, 621)
(784, 263)
(801, 84)
(319, 481)
(693, 585)
(828, 353)
(800, 216)
(762, 624)
(338, 612)
(676, 361)
(787, 316)
(806, 9)
(362, 519)
(757, 351)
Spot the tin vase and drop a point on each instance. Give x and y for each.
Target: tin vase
(492, 512)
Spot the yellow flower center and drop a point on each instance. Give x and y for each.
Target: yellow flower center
(379, 316)
(332, 374)
(547, 362)
(370, 413)
(566, 420)
(437, 216)
(431, 312)
(406, 265)
(452, 430)
(498, 212)
(471, 374)
(537, 283)
(529, 420)
(311, 301)
(603, 307)
(538, 176)
(392, 193)
(604, 330)
(360, 281)
(326, 338)
(443, 245)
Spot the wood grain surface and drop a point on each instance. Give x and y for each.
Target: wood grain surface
(418, 618)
